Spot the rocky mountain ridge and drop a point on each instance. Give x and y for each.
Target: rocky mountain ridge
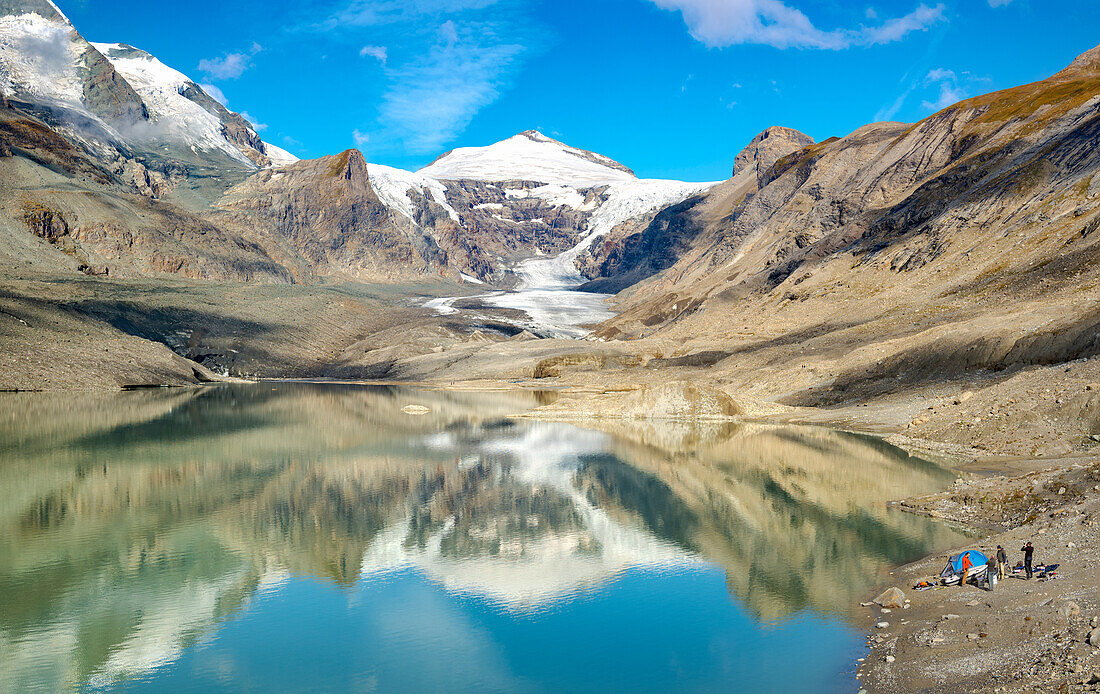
(156, 144)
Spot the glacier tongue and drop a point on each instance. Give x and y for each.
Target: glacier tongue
(547, 291)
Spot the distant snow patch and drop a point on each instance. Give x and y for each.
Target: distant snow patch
(555, 195)
(393, 185)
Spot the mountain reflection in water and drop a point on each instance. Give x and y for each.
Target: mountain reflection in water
(133, 524)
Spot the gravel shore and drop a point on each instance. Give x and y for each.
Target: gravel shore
(1024, 636)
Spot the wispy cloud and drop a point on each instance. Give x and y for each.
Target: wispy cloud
(444, 61)
(941, 87)
(432, 98)
(720, 23)
(379, 12)
(229, 66)
(256, 125)
(999, 3)
(215, 93)
(950, 91)
(379, 53)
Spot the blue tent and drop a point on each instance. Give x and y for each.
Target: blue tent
(953, 569)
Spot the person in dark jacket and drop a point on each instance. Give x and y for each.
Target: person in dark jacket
(1028, 551)
(991, 573)
(1002, 560)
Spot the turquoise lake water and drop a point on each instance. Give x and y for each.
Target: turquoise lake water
(285, 537)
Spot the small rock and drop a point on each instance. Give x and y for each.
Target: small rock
(889, 658)
(882, 625)
(866, 604)
(972, 637)
(1071, 545)
(1069, 609)
(1095, 679)
(973, 603)
(950, 616)
(416, 410)
(1094, 622)
(886, 610)
(1061, 491)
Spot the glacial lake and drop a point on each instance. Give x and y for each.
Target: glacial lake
(286, 537)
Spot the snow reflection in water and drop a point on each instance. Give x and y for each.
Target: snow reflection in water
(291, 537)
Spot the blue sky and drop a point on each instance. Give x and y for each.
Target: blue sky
(671, 88)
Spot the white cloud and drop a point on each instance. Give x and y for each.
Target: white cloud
(888, 112)
(999, 3)
(215, 93)
(231, 65)
(379, 53)
(433, 98)
(950, 90)
(360, 139)
(720, 23)
(256, 125)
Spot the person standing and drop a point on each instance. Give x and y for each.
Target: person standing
(991, 573)
(1002, 560)
(965, 568)
(1028, 551)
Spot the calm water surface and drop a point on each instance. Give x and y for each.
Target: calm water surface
(315, 538)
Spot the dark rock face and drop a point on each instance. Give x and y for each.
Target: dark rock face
(503, 219)
(44, 221)
(768, 147)
(620, 260)
(107, 94)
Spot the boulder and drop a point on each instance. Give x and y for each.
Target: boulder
(891, 597)
(1093, 638)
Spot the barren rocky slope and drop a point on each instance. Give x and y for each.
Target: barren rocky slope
(898, 266)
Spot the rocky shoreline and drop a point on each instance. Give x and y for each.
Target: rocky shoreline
(1024, 636)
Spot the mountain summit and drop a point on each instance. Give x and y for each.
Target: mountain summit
(528, 156)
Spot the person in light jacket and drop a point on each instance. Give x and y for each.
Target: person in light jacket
(1002, 560)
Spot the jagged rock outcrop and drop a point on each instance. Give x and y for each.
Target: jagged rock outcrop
(325, 211)
(768, 147)
(107, 94)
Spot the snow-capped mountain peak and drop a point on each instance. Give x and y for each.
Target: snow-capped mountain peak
(528, 156)
(183, 111)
